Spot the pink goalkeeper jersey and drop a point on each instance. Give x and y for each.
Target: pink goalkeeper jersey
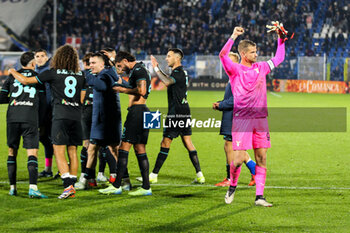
(248, 84)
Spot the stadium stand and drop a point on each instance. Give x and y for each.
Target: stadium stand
(151, 27)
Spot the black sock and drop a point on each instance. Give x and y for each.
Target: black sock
(67, 182)
(257, 197)
(228, 171)
(163, 154)
(144, 168)
(12, 169)
(194, 160)
(121, 165)
(33, 169)
(232, 189)
(112, 163)
(102, 157)
(126, 173)
(90, 173)
(83, 159)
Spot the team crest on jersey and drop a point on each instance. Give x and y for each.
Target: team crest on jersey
(257, 70)
(238, 142)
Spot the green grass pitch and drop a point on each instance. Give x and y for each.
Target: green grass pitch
(307, 181)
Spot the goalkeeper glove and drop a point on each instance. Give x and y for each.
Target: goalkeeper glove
(278, 27)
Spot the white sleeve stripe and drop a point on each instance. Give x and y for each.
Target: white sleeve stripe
(271, 65)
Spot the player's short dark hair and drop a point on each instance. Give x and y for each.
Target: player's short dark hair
(124, 55)
(244, 44)
(108, 49)
(102, 56)
(86, 57)
(40, 50)
(26, 58)
(177, 51)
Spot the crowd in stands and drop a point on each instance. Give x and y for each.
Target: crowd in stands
(199, 27)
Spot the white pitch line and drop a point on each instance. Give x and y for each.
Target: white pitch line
(274, 94)
(267, 187)
(239, 186)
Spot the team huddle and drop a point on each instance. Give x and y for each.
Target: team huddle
(64, 107)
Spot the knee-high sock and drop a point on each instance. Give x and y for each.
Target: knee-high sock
(83, 159)
(144, 168)
(228, 171)
(126, 173)
(12, 169)
(251, 166)
(162, 155)
(45, 140)
(194, 159)
(260, 178)
(102, 159)
(234, 174)
(33, 169)
(121, 165)
(90, 173)
(112, 163)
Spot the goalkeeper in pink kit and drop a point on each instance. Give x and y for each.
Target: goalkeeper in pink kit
(250, 127)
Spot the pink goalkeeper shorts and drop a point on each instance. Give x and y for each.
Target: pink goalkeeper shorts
(250, 133)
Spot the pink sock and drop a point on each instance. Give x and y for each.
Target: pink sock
(260, 177)
(234, 174)
(48, 162)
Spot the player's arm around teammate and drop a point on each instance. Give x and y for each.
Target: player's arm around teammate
(138, 88)
(67, 82)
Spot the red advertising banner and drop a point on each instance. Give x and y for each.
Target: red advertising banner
(310, 86)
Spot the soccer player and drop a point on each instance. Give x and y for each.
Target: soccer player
(177, 83)
(226, 106)
(104, 153)
(106, 115)
(22, 120)
(67, 83)
(138, 89)
(45, 112)
(250, 126)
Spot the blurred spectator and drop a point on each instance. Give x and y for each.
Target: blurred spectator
(337, 74)
(196, 26)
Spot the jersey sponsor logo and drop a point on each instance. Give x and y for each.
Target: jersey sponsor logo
(87, 102)
(151, 120)
(21, 103)
(65, 102)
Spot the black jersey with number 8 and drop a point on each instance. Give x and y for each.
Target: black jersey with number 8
(66, 87)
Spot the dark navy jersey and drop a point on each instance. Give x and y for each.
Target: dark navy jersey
(88, 100)
(139, 72)
(177, 92)
(23, 99)
(65, 87)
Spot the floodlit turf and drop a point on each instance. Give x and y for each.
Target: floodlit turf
(307, 181)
